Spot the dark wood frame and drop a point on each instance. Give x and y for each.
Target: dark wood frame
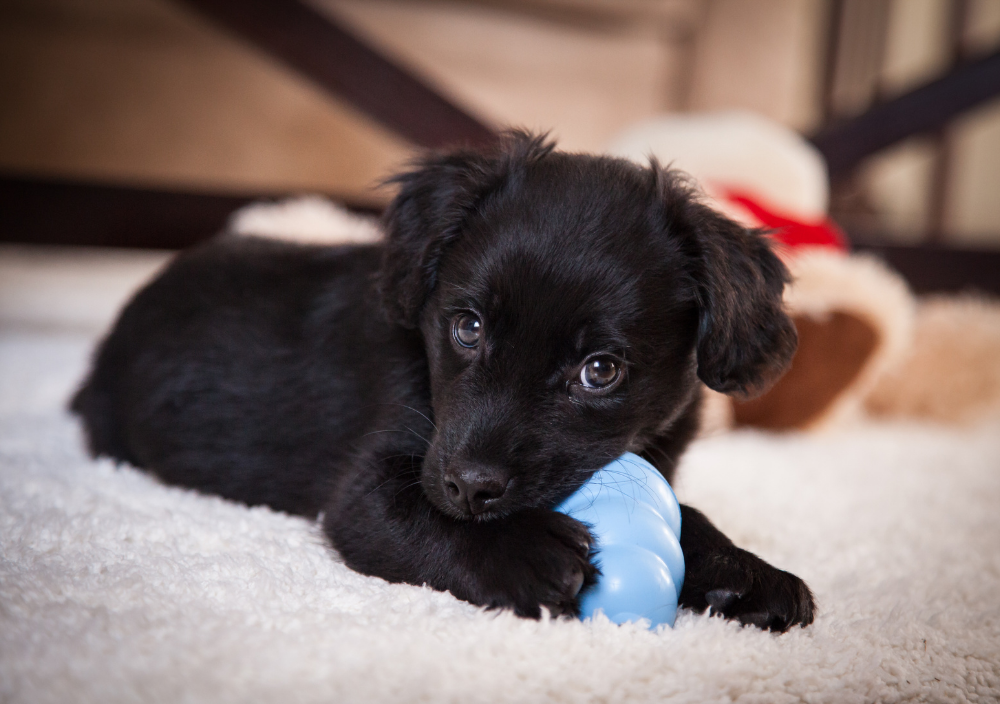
(924, 110)
(315, 46)
(37, 210)
(932, 268)
(54, 211)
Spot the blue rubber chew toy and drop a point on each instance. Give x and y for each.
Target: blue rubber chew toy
(636, 521)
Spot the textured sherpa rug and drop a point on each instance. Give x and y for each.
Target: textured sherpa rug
(115, 588)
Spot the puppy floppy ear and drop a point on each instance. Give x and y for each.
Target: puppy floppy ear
(435, 198)
(746, 341)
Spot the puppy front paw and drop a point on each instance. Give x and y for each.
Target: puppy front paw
(738, 585)
(539, 558)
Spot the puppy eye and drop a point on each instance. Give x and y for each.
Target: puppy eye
(600, 372)
(467, 329)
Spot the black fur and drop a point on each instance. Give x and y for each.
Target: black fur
(331, 379)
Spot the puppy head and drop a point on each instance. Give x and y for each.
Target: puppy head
(568, 304)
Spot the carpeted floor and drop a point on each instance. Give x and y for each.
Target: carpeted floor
(114, 588)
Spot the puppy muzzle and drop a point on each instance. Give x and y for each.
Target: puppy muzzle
(475, 490)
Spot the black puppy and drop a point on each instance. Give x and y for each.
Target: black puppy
(531, 316)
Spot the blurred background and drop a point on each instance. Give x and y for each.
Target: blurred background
(225, 100)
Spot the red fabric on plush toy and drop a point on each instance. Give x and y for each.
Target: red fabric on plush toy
(790, 232)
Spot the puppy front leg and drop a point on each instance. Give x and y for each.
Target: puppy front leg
(385, 526)
(735, 583)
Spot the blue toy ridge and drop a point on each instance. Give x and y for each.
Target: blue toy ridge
(636, 521)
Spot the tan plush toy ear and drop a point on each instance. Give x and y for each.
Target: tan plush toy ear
(855, 319)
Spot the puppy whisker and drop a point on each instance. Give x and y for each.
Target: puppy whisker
(405, 487)
(409, 408)
(418, 435)
(393, 430)
(378, 486)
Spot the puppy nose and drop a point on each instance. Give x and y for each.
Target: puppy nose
(475, 490)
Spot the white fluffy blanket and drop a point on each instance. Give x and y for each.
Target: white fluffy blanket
(116, 588)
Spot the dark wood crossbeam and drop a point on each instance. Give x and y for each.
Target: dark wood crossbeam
(53, 211)
(926, 109)
(337, 61)
(934, 268)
